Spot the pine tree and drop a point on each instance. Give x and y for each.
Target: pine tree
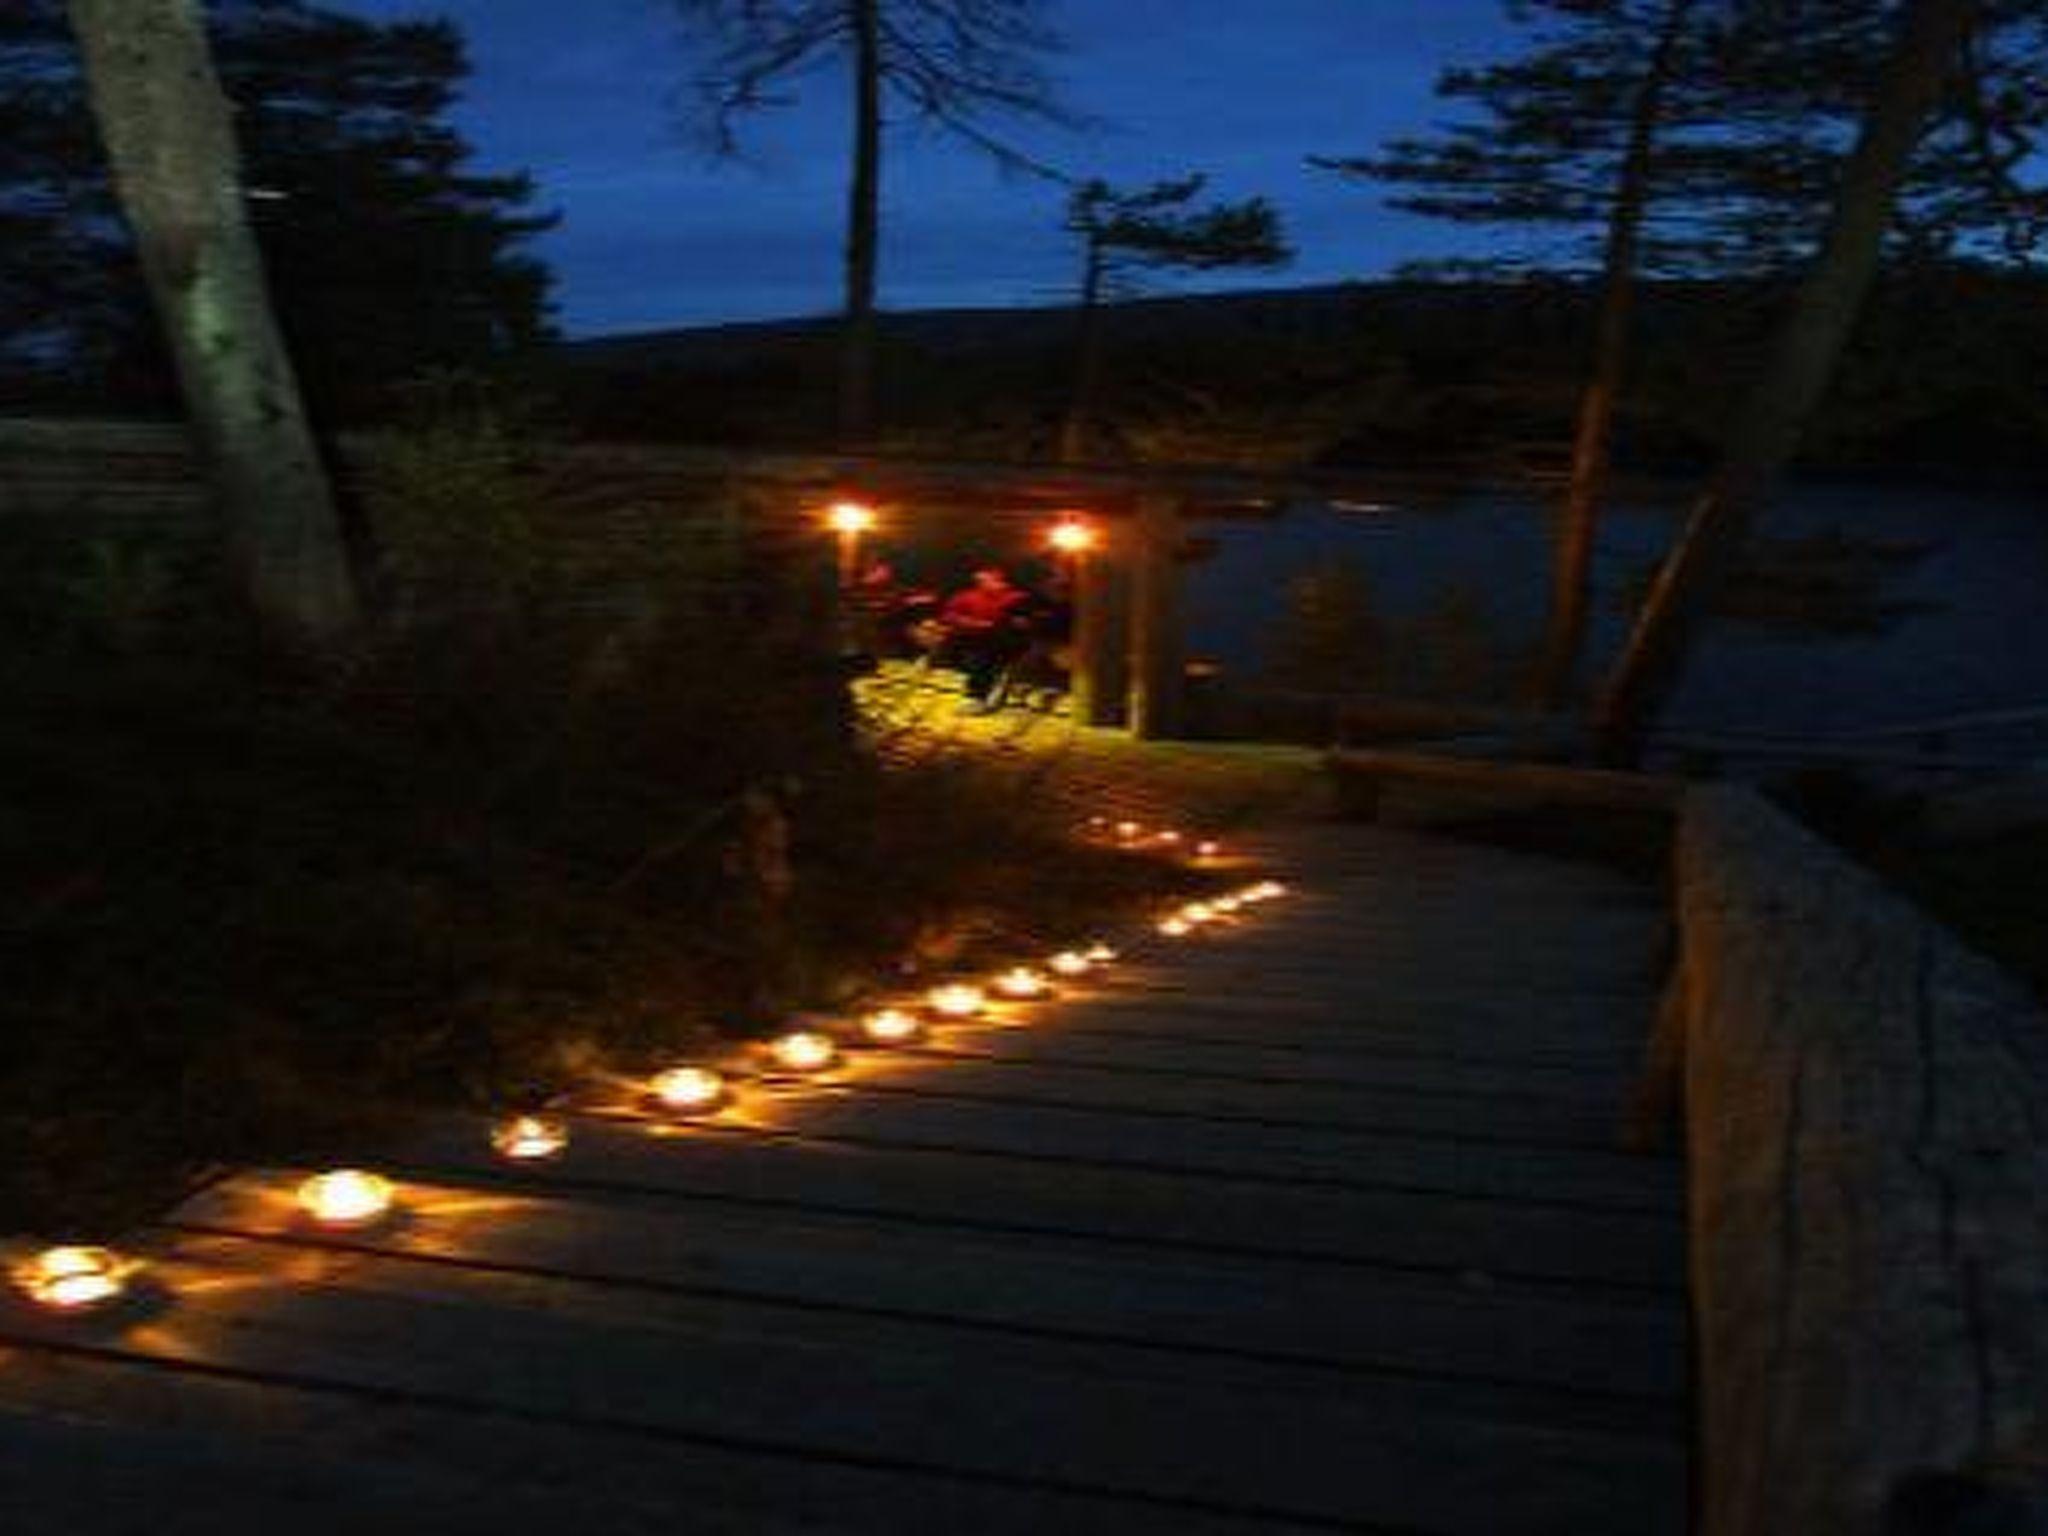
(1703, 138)
(964, 67)
(387, 255)
(1149, 229)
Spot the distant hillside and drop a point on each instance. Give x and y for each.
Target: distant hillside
(1943, 378)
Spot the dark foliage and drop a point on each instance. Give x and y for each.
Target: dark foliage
(387, 252)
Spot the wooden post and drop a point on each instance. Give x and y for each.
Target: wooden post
(1101, 678)
(1158, 645)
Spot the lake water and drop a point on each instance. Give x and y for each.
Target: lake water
(1975, 635)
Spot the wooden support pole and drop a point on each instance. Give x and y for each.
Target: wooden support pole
(1158, 641)
(1101, 677)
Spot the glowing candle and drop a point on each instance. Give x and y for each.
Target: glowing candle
(530, 1138)
(73, 1279)
(957, 1000)
(1069, 962)
(689, 1090)
(1169, 837)
(1128, 830)
(1175, 927)
(1198, 912)
(891, 1026)
(1227, 904)
(803, 1050)
(1020, 981)
(1266, 890)
(1208, 848)
(346, 1197)
(1100, 953)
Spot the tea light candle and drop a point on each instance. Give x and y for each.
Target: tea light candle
(891, 1026)
(530, 1138)
(1021, 982)
(1069, 962)
(689, 1090)
(346, 1197)
(957, 1000)
(73, 1279)
(803, 1050)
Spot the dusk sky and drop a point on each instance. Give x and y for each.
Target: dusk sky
(654, 234)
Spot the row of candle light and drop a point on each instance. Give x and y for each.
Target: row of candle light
(76, 1278)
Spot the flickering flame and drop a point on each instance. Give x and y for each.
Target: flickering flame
(530, 1138)
(957, 1000)
(1265, 890)
(1127, 831)
(891, 1026)
(1169, 836)
(803, 1050)
(1175, 927)
(1198, 912)
(345, 1197)
(1227, 904)
(1100, 953)
(1208, 848)
(1071, 536)
(72, 1279)
(689, 1090)
(1022, 981)
(850, 517)
(1069, 962)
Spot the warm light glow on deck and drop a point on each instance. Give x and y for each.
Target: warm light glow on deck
(1208, 848)
(892, 1026)
(803, 1050)
(1175, 927)
(1198, 912)
(73, 1279)
(849, 518)
(530, 1138)
(957, 1000)
(1100, 953)
(1129, 831)
(345, 1197)
(1069, 962)
(1265, 890)
(689, 1090)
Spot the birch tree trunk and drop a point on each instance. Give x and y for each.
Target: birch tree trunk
(171, 148)
(863, 220)
(1809, 344)
(1578, 527)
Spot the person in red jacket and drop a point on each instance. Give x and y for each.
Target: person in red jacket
(987, 628)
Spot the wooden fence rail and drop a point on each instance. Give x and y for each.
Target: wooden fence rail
(1867, 1117)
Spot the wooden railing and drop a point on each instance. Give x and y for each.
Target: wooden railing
(1866, 1109)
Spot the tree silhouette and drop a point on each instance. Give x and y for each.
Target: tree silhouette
(1153, 228)
(1702, 138)
(387, 253)
(969, 68)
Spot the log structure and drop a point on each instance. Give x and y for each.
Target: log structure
(1867, 1117)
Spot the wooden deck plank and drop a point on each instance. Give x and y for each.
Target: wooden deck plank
(1132, 1201)
(896, 1394)
(1317, 1223)
(1285, 1314)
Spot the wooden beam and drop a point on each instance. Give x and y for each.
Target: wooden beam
(1100, 681)
(1158, 640)
(1867, 1123)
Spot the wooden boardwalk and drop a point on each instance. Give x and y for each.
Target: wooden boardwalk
(1316, 1224)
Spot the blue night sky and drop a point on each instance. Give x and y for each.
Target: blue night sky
(654, 234)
